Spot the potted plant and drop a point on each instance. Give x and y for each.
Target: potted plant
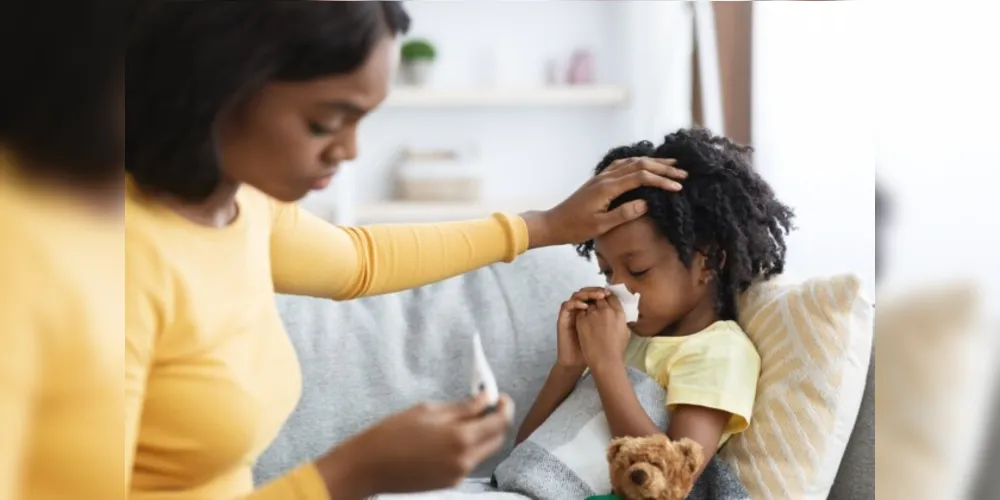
(417, 61)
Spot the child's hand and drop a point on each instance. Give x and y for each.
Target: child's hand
(569, 353)
(603, 332)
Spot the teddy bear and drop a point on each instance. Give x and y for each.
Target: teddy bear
(653, 467)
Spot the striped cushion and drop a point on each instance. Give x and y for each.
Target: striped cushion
(814, 340)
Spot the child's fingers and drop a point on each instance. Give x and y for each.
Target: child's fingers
(590, 294)
(614, 303)
(571, 306)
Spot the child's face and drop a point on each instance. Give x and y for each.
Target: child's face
(636, 255)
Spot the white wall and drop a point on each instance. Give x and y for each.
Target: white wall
(528, 154)
(938, 119)
(534, 154)
(812, 129)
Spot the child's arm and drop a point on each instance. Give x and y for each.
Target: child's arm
(711, 390)
(626, 417)
(703, 425)
(569, 366)
(558, 385)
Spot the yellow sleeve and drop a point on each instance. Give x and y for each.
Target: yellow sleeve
(18, 376)
(302, 483)
(719, 372)
(310, 256)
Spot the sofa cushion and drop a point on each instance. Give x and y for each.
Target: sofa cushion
(365, 359)
(814, 340)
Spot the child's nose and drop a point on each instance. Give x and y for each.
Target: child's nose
(619, 281)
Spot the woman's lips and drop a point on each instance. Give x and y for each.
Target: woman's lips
(322, 182)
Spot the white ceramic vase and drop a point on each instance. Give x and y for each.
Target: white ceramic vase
(417, 73)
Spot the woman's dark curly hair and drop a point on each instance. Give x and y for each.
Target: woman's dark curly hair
(192, 59)
(725, 210)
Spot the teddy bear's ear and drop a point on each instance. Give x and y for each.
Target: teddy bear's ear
(614, 448)
(691, 452)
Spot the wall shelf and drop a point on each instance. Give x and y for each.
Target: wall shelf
(406, 211)
(584, 96)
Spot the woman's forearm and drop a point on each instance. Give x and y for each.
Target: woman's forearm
(343, 476)
(309, 256)
(558, 386)
(626, 417)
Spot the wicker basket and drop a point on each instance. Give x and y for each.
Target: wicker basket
(429, 190)
(436, 176)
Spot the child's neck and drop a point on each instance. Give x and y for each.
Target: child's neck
(698, 319)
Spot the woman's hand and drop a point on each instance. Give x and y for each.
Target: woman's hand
(584, 215)
(429, 446)
(569, 352)
(603, 333)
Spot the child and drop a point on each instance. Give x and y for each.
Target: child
(689, 257)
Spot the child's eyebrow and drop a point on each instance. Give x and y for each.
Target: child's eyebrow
(625, 256)
(632, 253)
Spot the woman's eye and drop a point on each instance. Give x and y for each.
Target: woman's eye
(325, 128)
(606, 274)
(317, 129)
(638, 274)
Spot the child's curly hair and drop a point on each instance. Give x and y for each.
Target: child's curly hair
(725, 210)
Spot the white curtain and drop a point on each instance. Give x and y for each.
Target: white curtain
(709, 76)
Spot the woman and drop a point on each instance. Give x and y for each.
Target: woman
(235, 110)
(61, 301)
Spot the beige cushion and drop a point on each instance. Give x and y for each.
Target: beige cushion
(928, 380)
(814, 340)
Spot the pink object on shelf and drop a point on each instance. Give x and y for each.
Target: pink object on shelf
(581, 68)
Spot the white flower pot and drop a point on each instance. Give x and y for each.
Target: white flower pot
(417, 72)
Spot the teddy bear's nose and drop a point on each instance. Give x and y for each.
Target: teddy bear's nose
(638, 476)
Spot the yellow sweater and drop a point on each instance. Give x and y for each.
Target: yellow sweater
(210, 373)
(61, 338)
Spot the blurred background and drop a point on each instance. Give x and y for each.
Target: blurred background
(509, 105)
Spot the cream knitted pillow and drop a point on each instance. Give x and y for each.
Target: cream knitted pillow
(814, 339)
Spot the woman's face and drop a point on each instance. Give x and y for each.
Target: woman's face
(636, 255)
(291, 137)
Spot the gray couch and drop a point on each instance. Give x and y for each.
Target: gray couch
(365, 359)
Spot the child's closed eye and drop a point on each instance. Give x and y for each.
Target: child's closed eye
(638, 274)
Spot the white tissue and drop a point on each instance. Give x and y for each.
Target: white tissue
(483, 380)
(630, 302)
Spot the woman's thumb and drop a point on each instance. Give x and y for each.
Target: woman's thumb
(472, 407)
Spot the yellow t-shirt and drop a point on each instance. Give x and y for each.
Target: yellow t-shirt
(716, 368)
(209, 371)
(61, 339)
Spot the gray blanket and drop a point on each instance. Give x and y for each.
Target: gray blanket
(565, 458)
